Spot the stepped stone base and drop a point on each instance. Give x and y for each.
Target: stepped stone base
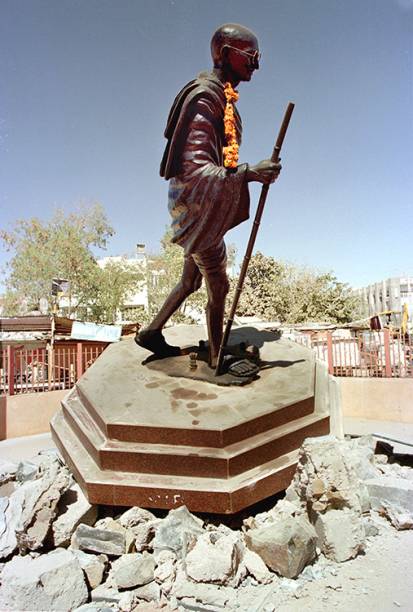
(136, 436)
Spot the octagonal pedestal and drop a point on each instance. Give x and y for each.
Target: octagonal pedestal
(135, 436)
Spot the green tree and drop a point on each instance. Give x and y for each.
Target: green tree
(62, 248)
(106, 290)
(275, 290)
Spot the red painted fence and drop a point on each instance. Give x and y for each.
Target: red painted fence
(25, 370)
(382, 353)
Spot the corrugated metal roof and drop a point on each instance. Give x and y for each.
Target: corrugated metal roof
(43, 323)
(36, 323)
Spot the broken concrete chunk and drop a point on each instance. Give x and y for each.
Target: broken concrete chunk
(105, 593)
(400, 519)
(76, 510)
(218, 597)
(92, 539)
(283, 507)
(93, 567)
(330, 472)
(27, 470)
(10, 513)
(360, 455)
(130, 601)
(49, 582)
(39, 499)
(113, 525)
(8, 470)
(256, 567)
(215, 557)
(371, 528)
(286, 546)
(144, 535)
(135, 516)
(165, 570)
(388, 491)
(341, 534)
(132, 570)
(173, 531)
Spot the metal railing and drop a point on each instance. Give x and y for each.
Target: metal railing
(26, 370)
(367, 353)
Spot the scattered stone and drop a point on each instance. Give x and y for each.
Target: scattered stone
(77, 510)
(105, 593)
(50, 582)
(256, 567)
(132, 600)
(148, 592)
(112, 525)
(144, 535)
(215, 557)
(341, 534)
(221, 597)
(93, 567)
(360, 455)
(27, 470)
(135, 516)
(92, 539)
(388, 492)
(39, 499)
(10, 512)
(283, 507)
(286, 546)
(371, 529)
(8, 470)
(132, 570)
(142, 524)
(329, 474)
(165, 571)
(26, 516)
(399, 518)
(176, 530)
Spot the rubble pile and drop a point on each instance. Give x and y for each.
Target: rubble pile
(58, 552)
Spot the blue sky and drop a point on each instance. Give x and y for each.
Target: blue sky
(87, 86)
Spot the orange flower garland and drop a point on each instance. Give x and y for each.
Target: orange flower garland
(231, 150)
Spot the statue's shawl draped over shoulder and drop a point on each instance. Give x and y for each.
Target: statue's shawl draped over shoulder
(205, 199)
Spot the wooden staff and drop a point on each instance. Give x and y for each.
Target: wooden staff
(260, 209)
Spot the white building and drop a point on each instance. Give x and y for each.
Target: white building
(390, 294)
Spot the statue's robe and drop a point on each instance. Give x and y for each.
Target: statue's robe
(205, 198)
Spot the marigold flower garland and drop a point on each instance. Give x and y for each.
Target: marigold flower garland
(231, 150)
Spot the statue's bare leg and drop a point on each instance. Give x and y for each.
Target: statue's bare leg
(213, 264)
(151, 337)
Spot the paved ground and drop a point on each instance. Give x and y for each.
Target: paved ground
(402, 432)
(25, 447)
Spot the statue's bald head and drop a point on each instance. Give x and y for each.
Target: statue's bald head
(230, 34)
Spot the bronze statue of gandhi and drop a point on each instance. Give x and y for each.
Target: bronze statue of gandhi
(206, 199)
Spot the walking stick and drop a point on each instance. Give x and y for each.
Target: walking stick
(260, 209)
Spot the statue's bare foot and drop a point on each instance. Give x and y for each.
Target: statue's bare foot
(154, 341)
